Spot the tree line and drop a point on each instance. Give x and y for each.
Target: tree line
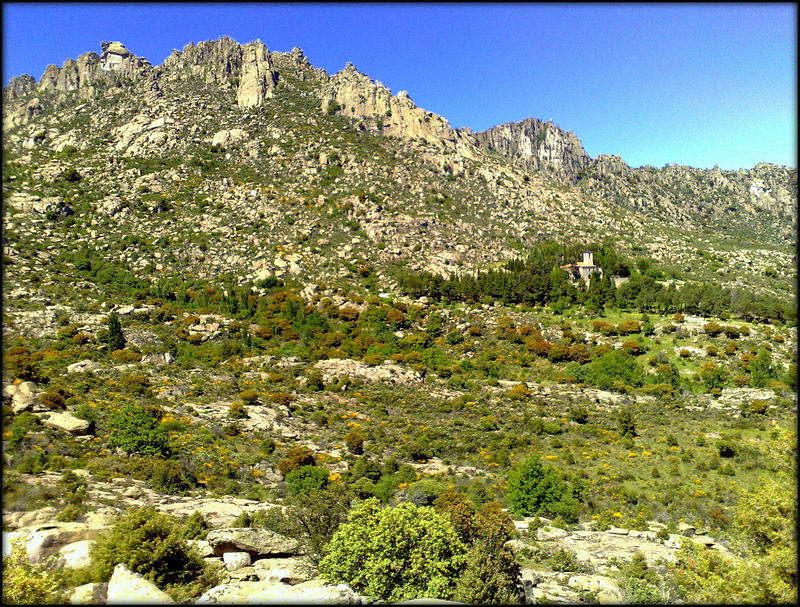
(540, 280)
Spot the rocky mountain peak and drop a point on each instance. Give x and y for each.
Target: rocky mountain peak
(114, 53)
(538, 146)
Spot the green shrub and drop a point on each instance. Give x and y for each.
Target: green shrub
(237, 410)
(552, 428)
(249, 397)
(424, 492)
(565, 561)
(306, 479)
(281, 398)
(641, 592)
(53, 399)
(315, 381)
(149, 543)
(134, 430)
(519, 392)
(25, 583)
(19, 363)
(629, 327)
(533, 488)
(395, 554)
(726, 448)
(195, 527)
(626, 423)
(579, 415)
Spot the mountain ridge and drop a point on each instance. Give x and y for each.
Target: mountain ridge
(539, 171)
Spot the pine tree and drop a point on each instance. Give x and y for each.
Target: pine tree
(116, 339)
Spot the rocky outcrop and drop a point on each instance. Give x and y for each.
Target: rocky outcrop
(313, 592)
(19, 87)
(354, 369)
(23, 396)
(89, 594)
(77, 554)
(83, 74)
(215, 62)
(223, 139)
(538, 146)
(255, 542)
(355, 95)
(53, 206)
(258, 79)
(42, 541)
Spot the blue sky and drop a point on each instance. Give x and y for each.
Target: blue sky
(692, 84)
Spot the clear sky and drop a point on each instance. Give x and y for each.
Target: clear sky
(684, 83)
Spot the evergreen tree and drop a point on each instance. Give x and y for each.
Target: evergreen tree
(116, 339)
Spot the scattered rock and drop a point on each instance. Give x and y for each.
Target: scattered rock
(236, 560)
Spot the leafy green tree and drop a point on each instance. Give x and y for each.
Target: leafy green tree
(395, 554)
(766, 518)
(533, 488)
(761, 370)
(136, 431)
(306, 479)
(317, 515)
(116, 339)
(614, 366)
(490, 577)
(714, 376)
(626, 423)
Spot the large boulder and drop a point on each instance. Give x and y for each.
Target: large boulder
(24, 396)
(77, 554)
(256, 542)
(43, 541)
(83, 366)
(159, 359)
(236, 560)
(69, 424)
(223, 139)
(314, 592)
(129, 588)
